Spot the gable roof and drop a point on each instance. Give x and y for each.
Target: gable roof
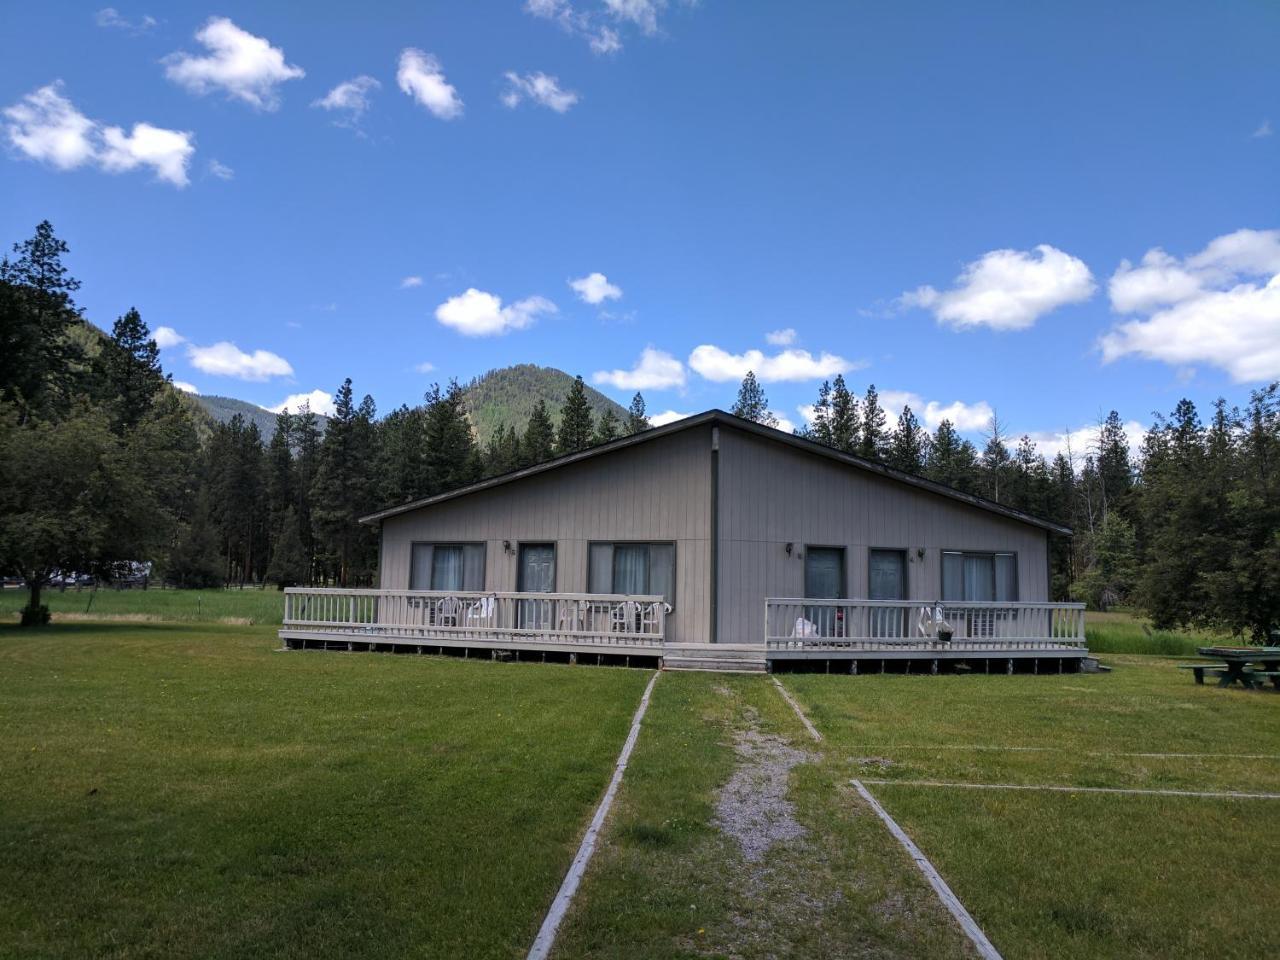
(720, 418)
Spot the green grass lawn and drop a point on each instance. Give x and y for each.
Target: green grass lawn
(1076, 875)
(248, 606)
(184, 791)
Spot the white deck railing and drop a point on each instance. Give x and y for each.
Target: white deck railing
(796, 624)
(589, 619)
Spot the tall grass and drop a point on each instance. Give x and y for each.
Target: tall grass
(195, 606)
(1120, 632)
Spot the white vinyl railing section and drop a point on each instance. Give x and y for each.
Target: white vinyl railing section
(588, 619)
(794, 624)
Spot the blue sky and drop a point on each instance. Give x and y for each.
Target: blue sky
(1047, 210)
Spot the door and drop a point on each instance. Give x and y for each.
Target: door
(888, 581)
(537, 574)
(824, 580)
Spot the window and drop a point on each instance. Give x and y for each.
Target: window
(633, 568)
(978, 577)
(447, 566)
(824, 573)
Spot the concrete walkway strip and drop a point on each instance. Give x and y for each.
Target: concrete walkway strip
(813, 731)
(546, 938)
(985, 948)
(1060, 788)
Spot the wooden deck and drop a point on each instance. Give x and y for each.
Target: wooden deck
(623, 629)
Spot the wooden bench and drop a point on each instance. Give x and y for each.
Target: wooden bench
(1216, 669)
(1258, 676)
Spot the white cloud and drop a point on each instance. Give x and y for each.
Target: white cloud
(595, 288)
(47, 127)
(667, 416)
(479, 314)
(166, 151)
(1007, 289)
(409, 282)
(111, 17)
(780, 338)
(350, 98)
(720, 365)
(601, 38)
(318, 401)
(1264, 130)
(1083, 440)
(655, 370)
(542, 89)
(225, 359)
(246, 67)
(426, 366)
(785, 423)
(421, 77)
(1220, 306)
(220, 170)
(167, 337)
(186, 387)
(643, 13)
(965, 417)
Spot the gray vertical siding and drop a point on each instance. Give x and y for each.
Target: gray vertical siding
(659, 490)
(772, 494)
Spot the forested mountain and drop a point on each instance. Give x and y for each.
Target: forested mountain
(222, 409)
(506, 397)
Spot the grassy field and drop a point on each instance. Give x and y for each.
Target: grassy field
(1076, 874)
(248, 606)
(182, 790)
(173, 791)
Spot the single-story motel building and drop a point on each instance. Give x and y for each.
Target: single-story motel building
(712, 542)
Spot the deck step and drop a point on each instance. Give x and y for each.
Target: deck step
(716, 664)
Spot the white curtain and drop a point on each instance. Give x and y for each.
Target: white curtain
(420, 566)
(631, 568)
(979, 578)
(600, 568)
(446, 568)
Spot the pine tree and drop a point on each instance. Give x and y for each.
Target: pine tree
(819, 428)
(995, 459)
(289, 562)
(607, 428)
(846, 429)
(38, 359)
(873, 440)
(907, 445)
(340, 491)
(1115, 472)
(131, 364)
(952, 460)
(452, 459)
(752, 404)
(538, 444)
(503, 453)
(576, 423)
(637, 419)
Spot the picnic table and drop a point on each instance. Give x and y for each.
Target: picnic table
(1248, 665)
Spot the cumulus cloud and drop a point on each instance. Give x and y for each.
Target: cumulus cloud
(186, 387)
(317, 401)
(655, 370)
(220, 170)
(243, 66)
(595, 288)
(1083, 440)
(542, 89)
(719, 365)
(167, 337)
(349, 99)
(1220, 306)
(409, 283)
(1263, 130)
(966, 417)
(780, 338)
(667, 416)
(111, 18)
(47, 127)
(225, 359)
(479, 314)
(422, 78)
(1007, 289)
